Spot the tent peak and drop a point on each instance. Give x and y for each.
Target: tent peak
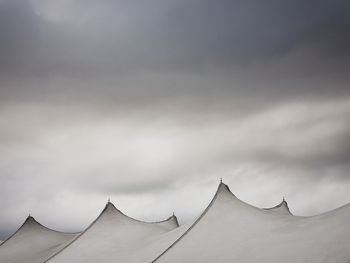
(283, 206)
(223, 187)
(30, 218)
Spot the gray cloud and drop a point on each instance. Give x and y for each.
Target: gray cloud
(115, 37)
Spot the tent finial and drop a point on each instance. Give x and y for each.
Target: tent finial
(109, 199)
(220, 180)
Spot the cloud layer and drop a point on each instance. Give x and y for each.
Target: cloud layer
(150, 103)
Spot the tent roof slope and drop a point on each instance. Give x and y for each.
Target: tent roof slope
(230, 230)
(281, 208)
(114, 235)
(221, 187)
(32, 242)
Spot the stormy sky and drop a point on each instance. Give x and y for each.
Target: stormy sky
(151, 102)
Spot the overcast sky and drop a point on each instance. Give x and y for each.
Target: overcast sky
(151, 102)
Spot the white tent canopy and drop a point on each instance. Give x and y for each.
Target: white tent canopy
(33, 243)
(114, 236)
(229, 230)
